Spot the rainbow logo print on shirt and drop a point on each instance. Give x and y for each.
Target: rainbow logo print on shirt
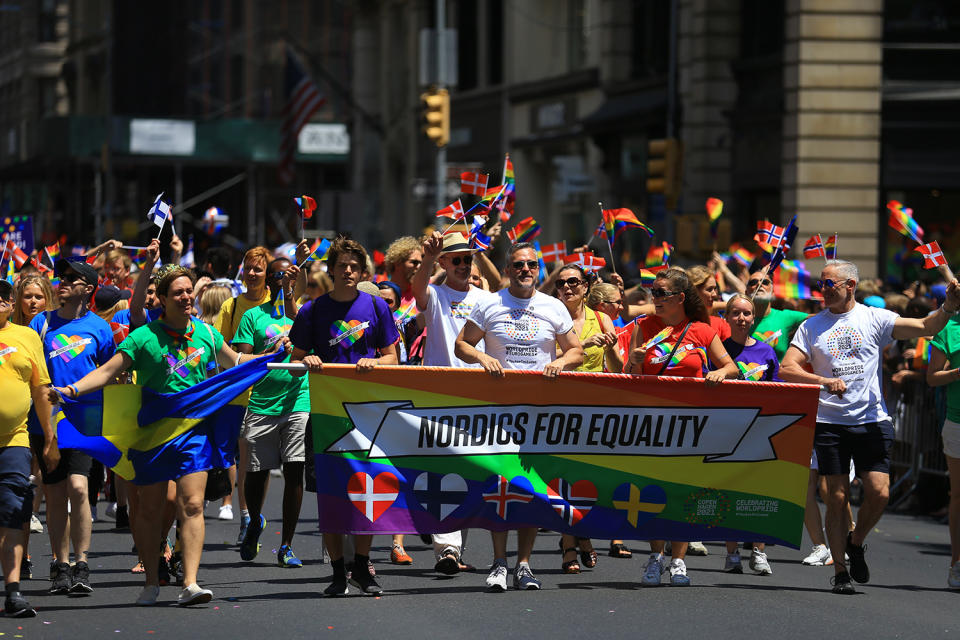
(189, 360)
(752, 370)
(5, 352)
(769, 337)
(274, 332)
(523, 325)
(347, 332)
(67, 347)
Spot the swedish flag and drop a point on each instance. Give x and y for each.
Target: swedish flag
(148, 437)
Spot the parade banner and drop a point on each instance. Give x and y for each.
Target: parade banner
(610, 456)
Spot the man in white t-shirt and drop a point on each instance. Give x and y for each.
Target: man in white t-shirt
(521, 329)
(445, 309)
(844, 344)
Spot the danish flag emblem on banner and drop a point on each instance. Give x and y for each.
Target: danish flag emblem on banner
(373, 496)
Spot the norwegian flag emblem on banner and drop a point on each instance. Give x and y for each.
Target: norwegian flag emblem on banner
(373, 496)
(572, 502)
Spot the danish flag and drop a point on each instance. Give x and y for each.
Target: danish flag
(502, 493)
(586, 260)
(474, 183)
(453, 210)
(372, 496)
(554, 252)
(932, 255)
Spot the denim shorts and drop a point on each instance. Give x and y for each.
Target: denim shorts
(16, 492)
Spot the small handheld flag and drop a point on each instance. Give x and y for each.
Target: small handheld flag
(714, 211)
(586, 260)
(317, 252)
(932, 255)
(453, 210)
(53, 252)
(814, 248)
(279, 309)
(769, 236)
(526, 230)
(214, 220)
(307, 206)
(474, 183)
(901, 220)
(480, 241)
(830, 248)
(554, 252)
(159, 212)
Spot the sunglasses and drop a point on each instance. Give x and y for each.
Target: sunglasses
(829, 283)
(529, 264)
(461, 260)
(571, 282)
(277, 275)
(618, 303)
(70, 278)
(662, 293)
(758, 283)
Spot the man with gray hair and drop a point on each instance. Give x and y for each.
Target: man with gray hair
(843, 345)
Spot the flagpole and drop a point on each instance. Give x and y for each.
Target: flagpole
(613, 267)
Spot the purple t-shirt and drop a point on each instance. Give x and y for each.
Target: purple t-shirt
(344, 332)
(752, 359)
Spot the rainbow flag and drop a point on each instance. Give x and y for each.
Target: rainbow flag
(615, 221)
(53, 252)
(792, 280)
(659, 255)
(525, 231)
(830, 248)
(921, 354)
(401, 450)
(714, 211)
(647, 277)
(901, 220)
(307, 206)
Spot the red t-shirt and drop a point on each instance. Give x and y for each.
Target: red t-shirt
(720, 326)
(690, 359)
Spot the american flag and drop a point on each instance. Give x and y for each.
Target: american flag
(303, 100)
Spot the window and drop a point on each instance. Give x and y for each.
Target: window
(47, 20)
(495, 42)
(651, 38)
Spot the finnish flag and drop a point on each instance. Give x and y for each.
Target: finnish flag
(159, 212)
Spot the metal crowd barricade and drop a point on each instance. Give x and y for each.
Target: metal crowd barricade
(917, 411)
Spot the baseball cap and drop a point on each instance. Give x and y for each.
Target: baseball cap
(80, 267)
(109, 295)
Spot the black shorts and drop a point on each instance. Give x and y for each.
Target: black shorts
(16, 492)
(868, 445)
(72, 462)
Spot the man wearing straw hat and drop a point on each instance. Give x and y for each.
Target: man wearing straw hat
(844, 344)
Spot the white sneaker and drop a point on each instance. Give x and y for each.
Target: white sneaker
(111, 511)
(732, 563)
(953, 580)
(696, 549)
(759, 563)
(678, 573)
(819, 556)
(194, 595)
(497, 579)
(652, 570)
(226, 512)
(35, 525)
(148, 597)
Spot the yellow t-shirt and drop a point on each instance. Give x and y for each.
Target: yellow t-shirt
(231, 311)
(21, 367)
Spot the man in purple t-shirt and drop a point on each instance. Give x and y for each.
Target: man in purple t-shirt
(345, 326)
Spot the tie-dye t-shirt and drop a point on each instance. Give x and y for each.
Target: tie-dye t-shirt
(758, 362)
(72, 349)
(344, 332)
(167, 360)
(278, 393)
(657, 340)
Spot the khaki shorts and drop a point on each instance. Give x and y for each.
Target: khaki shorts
(951, 439)
(274, 440)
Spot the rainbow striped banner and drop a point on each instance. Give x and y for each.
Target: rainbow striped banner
(431, 450)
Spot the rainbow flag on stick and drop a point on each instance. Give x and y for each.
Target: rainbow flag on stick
(714, 211)
(525, 231)
(901, 220)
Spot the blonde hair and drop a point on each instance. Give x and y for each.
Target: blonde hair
(321, 280)
(107, 314)
(740, 296)
(599, 293)
(214, 296)
(698, 275)
(399, 250)
(18, 316)
(258, 254)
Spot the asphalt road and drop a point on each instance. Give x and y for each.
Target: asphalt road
(907, 596)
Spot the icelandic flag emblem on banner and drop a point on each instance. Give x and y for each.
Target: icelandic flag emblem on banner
(502, 493)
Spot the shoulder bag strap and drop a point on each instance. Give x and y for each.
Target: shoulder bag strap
(666, 363)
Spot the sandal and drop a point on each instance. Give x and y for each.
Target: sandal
(137, 568)
(571, 566)
(588, 558)
(620, 550)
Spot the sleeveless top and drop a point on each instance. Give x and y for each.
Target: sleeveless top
(592, 356)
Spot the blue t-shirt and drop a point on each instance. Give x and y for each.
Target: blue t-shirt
(123, 316)
(344, 332)
(72, 349)
(757, 362)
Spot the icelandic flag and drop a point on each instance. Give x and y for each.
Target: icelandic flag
(502, 493)
(480, 241)
(160, 212)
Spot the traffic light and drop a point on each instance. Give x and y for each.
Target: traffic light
(436, 115)
(665, 169)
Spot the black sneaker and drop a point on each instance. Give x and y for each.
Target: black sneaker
(842, 585)
(338, 587)
(123, 519)
(163, 572)
(81, 579)
(16, 606)
(365, 582)
(26, 569)
(62, 579)
(858, 566)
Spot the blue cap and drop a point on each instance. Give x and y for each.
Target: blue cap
(875, 301)
(939, 291)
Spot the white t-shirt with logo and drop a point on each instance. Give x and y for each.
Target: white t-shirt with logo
(446, 312)
(521, 333)
(849, 346)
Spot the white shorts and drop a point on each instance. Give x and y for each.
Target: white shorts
(951, 438)
(274, 439)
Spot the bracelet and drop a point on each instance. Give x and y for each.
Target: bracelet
(76, 392)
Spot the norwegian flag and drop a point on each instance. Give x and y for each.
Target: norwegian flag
(814, 248)
(480, 241)
(769, 235)
(303, 100)
(572, 502)
(453, 210)
(120, 331)
(554, 252)
(373, 496)
(474, 183)
(932, 255)
(502, 493)
(586, 260)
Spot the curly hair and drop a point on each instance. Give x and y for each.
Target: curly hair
(399, 250)
(25, 281)
(680, 282)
